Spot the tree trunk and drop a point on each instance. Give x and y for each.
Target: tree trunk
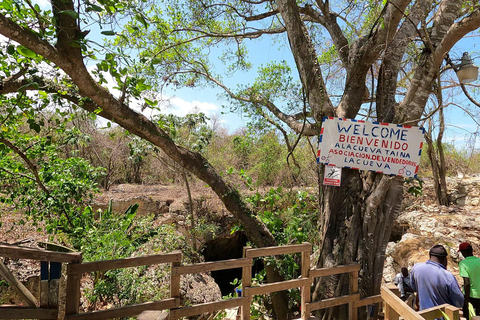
(437, 161)
(358, 219)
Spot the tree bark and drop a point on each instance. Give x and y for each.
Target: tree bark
(357, 228)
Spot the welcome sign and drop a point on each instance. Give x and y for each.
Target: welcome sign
(363, 145)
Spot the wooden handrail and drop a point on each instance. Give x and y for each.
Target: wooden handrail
(212, 266)
(314, 273)
(277, 286)
(273, 251)
(105, 265)
(438, 312)
(333, 302)
(18, 252)
(394, 303)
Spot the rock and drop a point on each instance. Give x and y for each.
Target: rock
(198, 288)
(429, 224)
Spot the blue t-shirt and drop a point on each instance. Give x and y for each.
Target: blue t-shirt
(435, 285)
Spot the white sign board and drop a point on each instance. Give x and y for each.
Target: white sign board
(381, 147)
(332, 176)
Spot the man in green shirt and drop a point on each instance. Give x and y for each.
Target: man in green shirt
(469, 269)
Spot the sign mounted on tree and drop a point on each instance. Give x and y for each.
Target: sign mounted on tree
(363, 145)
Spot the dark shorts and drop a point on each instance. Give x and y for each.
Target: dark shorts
(476, 305)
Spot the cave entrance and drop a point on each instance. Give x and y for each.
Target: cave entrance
(224, 248)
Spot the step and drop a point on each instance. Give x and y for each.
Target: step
(152, 315)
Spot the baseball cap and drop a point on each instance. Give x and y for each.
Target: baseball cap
(464, 246)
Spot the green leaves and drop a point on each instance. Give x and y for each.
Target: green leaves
(109, 33)
(71, 13)
(11, 49)
(26, 52)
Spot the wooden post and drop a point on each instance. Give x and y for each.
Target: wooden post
(390, 314)
(72, 291)
(246, 284)
(352, 309)
(174, 287)
(55, 274)
(452, 312)
(17, 285)
(305, 291)
(44, 284)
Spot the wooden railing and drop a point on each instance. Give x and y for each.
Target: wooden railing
(396, 308)
(47, 307)
(50, 272)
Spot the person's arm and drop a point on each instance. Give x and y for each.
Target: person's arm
(456, 294)
(401, 288)
(466, 287)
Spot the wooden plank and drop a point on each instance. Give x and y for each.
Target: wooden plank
(398, 305)
(433, 312)
(332, 302)
(205, 307)
(72, 292)
(213, 266)
(390, 313)
(153, 315)
(246, 284)
(272, 251)
(367, 301)
(18, 312)
(452, 312)
(126, 263)
(17, 252)
(55, 274)
(305, 291)
(44, 284)
(314, 273)
(353, 288)
(17, 285)
(126, 311)
(278, 286)
(174, 286)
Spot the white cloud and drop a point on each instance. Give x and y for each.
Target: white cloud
(181, 107)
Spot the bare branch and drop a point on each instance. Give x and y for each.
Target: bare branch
(472, 100)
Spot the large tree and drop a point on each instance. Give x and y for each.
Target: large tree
(377, 50)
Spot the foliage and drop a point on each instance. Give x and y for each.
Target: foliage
(38, 179)
(456, 161)
(414, 186)
(114, 236)
(291, 216)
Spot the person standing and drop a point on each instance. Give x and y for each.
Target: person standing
(469, 270)
(433, 283)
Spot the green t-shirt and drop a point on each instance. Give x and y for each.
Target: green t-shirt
(470, 268)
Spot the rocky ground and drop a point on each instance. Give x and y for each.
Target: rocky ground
(423, 224)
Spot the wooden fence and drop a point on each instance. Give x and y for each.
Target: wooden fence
(75, 269)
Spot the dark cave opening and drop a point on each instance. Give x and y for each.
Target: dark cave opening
(224, 248)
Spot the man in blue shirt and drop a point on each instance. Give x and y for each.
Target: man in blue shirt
(433, 283)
